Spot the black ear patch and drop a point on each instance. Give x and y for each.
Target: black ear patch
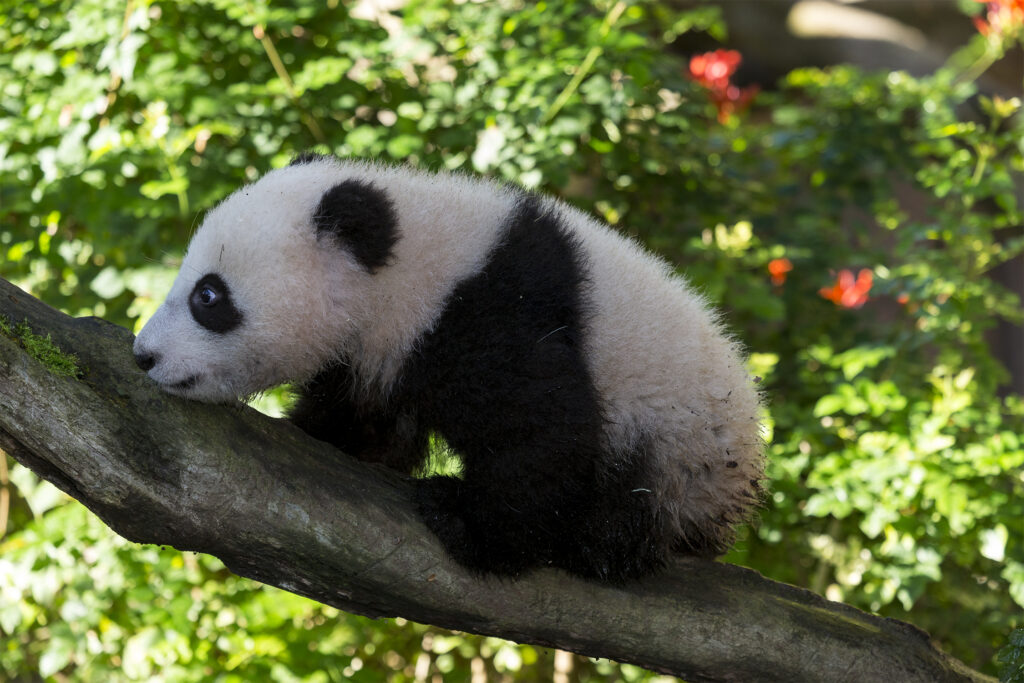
(360, 219)
(211, 305)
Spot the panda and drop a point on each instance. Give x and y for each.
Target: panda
(604, 419)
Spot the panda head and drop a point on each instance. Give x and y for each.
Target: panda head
(271, 284)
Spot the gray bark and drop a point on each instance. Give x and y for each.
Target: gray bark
(284, 509)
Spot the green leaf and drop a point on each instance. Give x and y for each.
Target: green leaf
(829, 405)
(110, 283)
(1011, 658)
(402, 146)
(58, 652)
(993, 543)
(155, 189)
(855, 360)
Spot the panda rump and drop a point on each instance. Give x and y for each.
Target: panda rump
(603, 417)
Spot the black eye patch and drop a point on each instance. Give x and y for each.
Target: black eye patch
(211, 305)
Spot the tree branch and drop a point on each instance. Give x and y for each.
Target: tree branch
(284, 509)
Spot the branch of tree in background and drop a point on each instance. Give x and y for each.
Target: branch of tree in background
(284, 509)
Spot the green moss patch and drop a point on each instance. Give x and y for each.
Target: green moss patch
(42, 348)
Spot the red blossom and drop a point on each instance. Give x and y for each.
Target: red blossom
(1002, 17)
(778, 268)
(713, 71)
(847, 291)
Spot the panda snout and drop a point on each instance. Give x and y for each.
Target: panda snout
(145, 360)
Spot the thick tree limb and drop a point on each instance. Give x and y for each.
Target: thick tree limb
(292, 512)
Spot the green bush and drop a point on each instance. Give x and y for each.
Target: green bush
(845, 223)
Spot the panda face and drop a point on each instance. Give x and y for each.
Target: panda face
(264, 296)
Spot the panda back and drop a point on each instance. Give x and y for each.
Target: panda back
(673, 383)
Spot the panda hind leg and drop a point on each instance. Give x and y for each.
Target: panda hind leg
(623, 540)
(564, 518)
(469, 522)
(511, 508)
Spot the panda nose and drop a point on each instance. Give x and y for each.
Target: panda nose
(145, 361)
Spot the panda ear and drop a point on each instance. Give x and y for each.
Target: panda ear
(360, 219)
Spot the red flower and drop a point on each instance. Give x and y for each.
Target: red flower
(1001, 17)
(847, 292)
(713, 71)
(778, 268)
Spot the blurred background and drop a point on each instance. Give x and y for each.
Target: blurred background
(844, 179)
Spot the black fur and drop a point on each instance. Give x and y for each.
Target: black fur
(328, 410)
(211, 305)
(309, 157)
(360, 219)
(503, 379)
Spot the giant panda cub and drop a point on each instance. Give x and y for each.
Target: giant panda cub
(603, 418)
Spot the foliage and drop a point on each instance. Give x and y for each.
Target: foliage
(1011, 659)
(896, 460)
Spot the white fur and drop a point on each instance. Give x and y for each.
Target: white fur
(667, 371)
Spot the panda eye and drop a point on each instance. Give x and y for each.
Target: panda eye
(208, 296)
(211, 305)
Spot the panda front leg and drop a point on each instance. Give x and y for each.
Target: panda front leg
(325, 410)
